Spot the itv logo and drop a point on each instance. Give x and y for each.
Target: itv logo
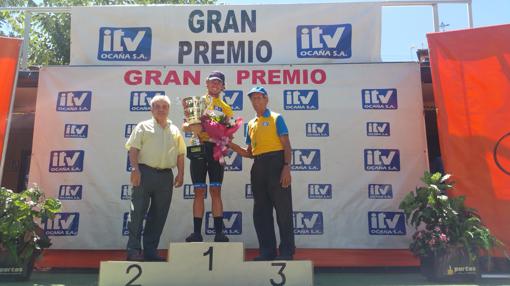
(382, 160)
(301, 99)
(63, 224)
(141, 100)
(379, 98)
(386, 223)
(124, 44)
(128, 163)
(233, 222)
(320, 191)
(128, 129)
(248, 193)
(234, 98)
(189, 192)
(125, 223)
(70, 192)
(317, 129)
(74, 101)
(125, 193)
(233, 162)
(66, 161)
(308, 223)
(76, 130)
(380, 191)
(306, 160)
(324, 41)
(378, 129)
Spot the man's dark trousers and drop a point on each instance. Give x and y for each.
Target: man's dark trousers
(268, 192)
(155, 188)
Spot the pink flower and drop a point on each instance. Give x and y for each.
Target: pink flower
(221, 135)
(443, 237)
(437, 228)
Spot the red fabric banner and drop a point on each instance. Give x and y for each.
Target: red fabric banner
(9, 53)
(471, 80)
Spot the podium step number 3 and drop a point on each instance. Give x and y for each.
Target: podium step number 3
(206, 264)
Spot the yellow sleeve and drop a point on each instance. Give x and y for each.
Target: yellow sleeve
(135, 139)
(181, 145)
(228, 110)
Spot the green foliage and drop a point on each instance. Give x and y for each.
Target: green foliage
(50, 32)
(442, 221)
(19, 213)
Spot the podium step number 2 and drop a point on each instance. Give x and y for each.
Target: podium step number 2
(206, 264)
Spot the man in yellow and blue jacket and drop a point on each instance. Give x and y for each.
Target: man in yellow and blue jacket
(269, 145)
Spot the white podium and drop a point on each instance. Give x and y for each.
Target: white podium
(206, 263)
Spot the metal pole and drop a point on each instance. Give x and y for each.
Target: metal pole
(26, 40)
(470, 13)
(436, 17)
(9, 117)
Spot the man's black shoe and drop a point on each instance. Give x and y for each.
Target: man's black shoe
(194, 237)
(221, 238)
(134, 255)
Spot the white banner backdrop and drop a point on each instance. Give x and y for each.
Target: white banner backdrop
(357, 132)
(226, 34)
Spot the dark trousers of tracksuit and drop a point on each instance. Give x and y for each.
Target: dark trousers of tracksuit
(268, 194)
(155, 188)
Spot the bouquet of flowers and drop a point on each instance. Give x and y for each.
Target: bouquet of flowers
(220, 130)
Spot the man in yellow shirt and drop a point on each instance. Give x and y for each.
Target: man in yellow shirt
(269, 145)
(200, 167)
(155, 147)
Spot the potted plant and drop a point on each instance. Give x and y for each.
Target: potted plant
(449, 236)
(21, 238)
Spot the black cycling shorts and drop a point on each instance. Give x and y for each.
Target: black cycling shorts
(201, 167)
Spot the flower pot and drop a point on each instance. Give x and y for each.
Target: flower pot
(11, 270)
(450, 265)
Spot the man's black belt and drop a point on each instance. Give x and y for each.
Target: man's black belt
(268, 155)
(155, 169)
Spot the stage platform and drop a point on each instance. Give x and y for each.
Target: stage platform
(387, 276)
(320, 257)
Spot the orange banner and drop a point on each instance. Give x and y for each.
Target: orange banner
(471, 79)
(9, 52)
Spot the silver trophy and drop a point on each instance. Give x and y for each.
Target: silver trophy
(194, 108)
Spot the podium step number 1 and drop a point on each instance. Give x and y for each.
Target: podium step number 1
(206, 264)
